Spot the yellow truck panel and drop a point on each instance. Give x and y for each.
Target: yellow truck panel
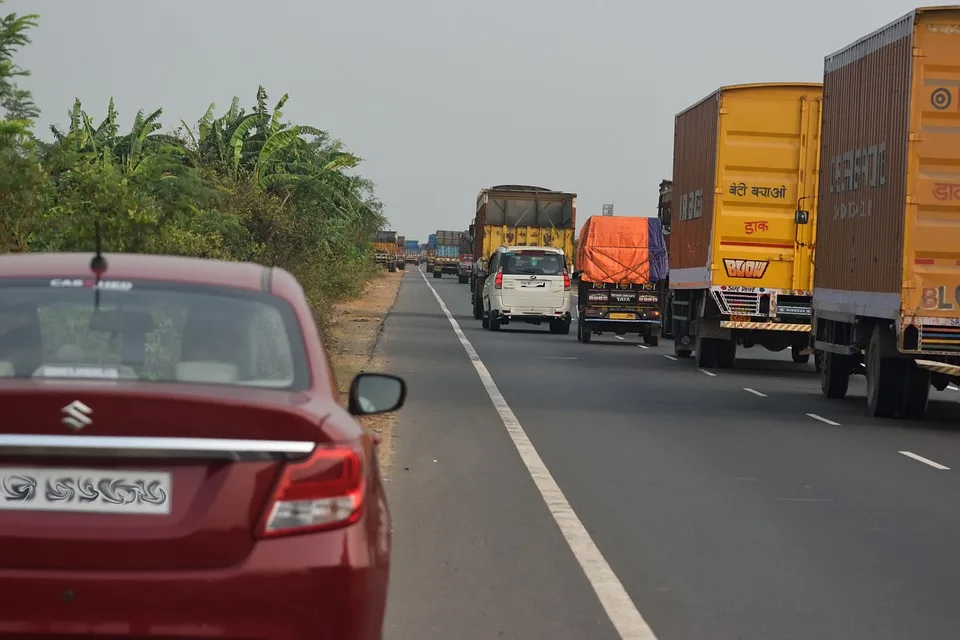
(389, 248)
(495, 237)
(768, 154)
(931, 238)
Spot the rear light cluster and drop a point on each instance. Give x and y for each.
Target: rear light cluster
(498, 280)
(323, 492)
(566, 280)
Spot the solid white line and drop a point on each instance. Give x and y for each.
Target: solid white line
(754, 392)
(822, 419)
(643, 346)
(707, 373)
(953, 387)
(621, 610)
(620, 338)
(935, 465)
(674, 358)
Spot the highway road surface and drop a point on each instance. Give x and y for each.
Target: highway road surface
(546, 489)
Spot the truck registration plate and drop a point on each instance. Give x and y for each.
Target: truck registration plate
(740, 318)
(622, 316)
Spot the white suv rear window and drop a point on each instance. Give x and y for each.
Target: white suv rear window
(531, 262)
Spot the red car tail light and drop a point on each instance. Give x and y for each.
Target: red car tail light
(566, 281)
(322, 492)
(498, 280)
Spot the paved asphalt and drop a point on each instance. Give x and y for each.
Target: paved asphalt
(725, 513)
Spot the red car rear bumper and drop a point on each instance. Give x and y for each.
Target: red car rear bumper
(331, 584)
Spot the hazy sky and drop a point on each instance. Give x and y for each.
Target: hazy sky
(442, 98)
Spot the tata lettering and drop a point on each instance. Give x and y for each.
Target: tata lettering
(745, 268)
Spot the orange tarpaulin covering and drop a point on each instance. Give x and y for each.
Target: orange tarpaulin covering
(621, 250)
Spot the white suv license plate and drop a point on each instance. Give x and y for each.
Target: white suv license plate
(533, 284)
(85, 491)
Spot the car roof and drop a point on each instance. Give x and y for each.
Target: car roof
(525, 247)
(241, 275)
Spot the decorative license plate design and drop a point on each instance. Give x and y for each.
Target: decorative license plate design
(622, 316)
(85, 491)
(740, 318)
(533, 284)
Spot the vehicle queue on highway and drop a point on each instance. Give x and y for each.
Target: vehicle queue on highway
(184, 410)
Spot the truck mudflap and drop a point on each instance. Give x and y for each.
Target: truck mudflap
(939, 367)
(764, 326)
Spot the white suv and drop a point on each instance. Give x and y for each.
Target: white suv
(527, 284)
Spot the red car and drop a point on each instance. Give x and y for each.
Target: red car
(174, 458)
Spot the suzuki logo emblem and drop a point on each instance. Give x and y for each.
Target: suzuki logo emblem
(76, 415)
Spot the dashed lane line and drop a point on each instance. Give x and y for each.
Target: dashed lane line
(822, 419)
(755, 392)
(669, 357)
(926, 461)
(621, 610)
(707, 373)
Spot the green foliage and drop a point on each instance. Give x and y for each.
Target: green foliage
(239, 186)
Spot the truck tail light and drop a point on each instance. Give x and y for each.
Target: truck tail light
(323, 492)
(566, 281)
(498, 280)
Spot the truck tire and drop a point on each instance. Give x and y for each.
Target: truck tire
(725, 353)
(835, 375)
(402, 265)
(437, 274)
(463, 279)
(885, 377)
(915, 393)
(818, 360)
(653, 341)
(705, 351)
(392, 267)
(799, 358)
(477, 307)
(584, 334)
(679, 350)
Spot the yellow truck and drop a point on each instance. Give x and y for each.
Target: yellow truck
(745, 177)
(886, 297)
(519, 215)
(385, 249)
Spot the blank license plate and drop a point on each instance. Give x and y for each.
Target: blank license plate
(622, 316)
(533, 284)
(85, 491)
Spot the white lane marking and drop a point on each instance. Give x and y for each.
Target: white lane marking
(674, 358)
(620, 338)
(557, 357)
(707, 373)
(927, 461)
(822, 419)
(953, 387)
(755, 392)
(621, 610)
(643, 346)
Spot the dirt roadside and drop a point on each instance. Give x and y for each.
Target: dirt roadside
(356, 326)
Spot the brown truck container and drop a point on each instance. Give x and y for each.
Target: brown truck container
(886, 299)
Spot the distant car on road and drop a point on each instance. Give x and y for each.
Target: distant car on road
(175, 460)
(527, 284)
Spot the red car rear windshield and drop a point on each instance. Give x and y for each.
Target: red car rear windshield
(538, 263)
(149, 331)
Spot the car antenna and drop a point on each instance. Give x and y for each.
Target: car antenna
(98, 265)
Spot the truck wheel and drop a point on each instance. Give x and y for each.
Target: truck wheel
(437, 274)
(705, 353)
(653, 341)
(818, 360)
(584, 334)
(799, 358)
(463, 279)
(402, 265)
(477, 307)
(835, 375)
(392, 267)
(884, 379)
(680, 350)
(915, 393)
(494, 320)
(725, 353)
